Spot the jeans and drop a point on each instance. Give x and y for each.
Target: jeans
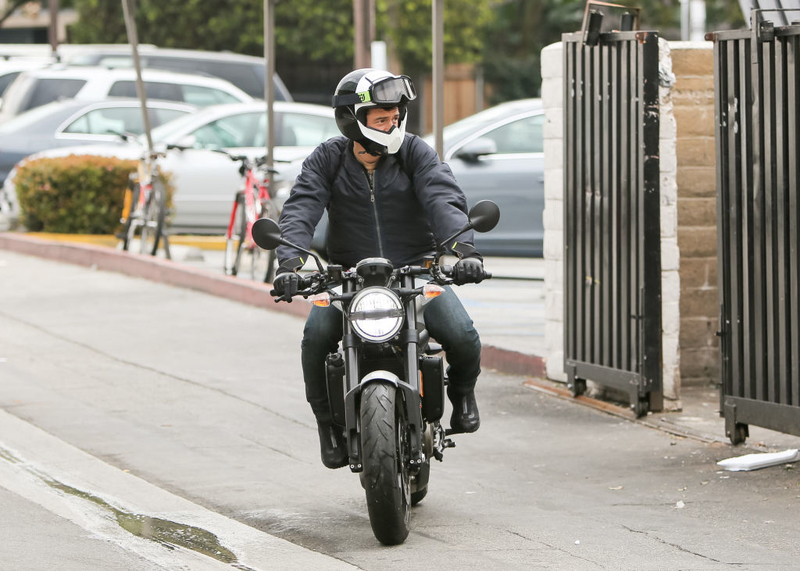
(446, 320)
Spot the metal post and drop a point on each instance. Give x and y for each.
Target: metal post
(363, 32)
(269, 89)
(52, 30)
(130, 27)
(438, 75)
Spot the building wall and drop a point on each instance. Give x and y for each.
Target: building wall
(693, 100)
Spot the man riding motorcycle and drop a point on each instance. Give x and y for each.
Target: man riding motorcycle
(384, 191)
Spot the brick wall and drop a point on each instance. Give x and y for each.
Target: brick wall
(693, 101)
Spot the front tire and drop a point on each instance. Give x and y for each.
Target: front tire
(385, 478)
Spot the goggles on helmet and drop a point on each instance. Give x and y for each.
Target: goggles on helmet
(389, 91)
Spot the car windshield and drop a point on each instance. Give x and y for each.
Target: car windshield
(166, 133)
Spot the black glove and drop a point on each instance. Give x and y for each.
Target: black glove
(285, 286)
(468, 271)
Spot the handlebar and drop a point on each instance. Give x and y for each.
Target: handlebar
(319, 282)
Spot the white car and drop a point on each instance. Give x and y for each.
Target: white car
(10, 69)
(206, 182)
(38, 87)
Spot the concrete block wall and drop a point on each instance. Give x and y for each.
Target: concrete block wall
(693, 101)
(553, 101)
(552, 96)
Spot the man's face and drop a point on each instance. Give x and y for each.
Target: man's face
(383, 119)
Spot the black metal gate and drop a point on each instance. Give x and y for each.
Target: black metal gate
(612, 280)
(757, 82)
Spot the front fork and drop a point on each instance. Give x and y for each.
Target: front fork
(410, 389)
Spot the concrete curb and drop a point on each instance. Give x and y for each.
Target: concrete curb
(60, 249)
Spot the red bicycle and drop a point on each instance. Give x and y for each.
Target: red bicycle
(251, 203)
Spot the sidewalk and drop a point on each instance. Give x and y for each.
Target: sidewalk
(508, 312)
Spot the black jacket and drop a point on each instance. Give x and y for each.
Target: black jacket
(400, 220)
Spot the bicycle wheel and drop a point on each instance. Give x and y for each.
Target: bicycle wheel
(155, 213)
(270, 210)
(129, 225)
(235, 241)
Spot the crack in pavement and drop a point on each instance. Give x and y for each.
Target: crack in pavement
(679, 547)
(555, 547)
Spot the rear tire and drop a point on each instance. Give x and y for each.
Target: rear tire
(384, 444)
(154, 216)
(419, 487)
(270, 210)
(233, 245)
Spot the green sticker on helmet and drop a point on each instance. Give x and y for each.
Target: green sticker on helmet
(365, 96)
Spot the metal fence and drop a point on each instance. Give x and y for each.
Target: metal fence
(757, 83)
(612, 280)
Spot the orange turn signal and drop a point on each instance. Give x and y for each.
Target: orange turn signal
(320, 299)
(431, 290)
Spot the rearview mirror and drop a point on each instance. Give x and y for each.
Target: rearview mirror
(267, 234)
(484, 216)
(477, 148)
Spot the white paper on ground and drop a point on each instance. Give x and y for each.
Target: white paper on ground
(756, 461)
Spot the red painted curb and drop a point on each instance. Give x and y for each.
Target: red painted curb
(243, 291)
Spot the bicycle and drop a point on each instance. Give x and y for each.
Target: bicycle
(253, 202)
(144, 209)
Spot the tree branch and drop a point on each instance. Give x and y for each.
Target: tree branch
(10, 10)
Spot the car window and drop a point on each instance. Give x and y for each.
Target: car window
(108, 121)
(302, 130)
(161, 116)
(6, 80)
(521, 136)
(165, 91)
(242, 75)
(234, 131)
(203, 96)
(49, 90)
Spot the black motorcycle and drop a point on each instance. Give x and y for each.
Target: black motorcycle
(386, 384)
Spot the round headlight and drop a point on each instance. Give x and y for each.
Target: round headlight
(376, 314)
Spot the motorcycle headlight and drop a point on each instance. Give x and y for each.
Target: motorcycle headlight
(376, 314)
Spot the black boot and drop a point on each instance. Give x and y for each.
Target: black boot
(465, 416)
(333, 445)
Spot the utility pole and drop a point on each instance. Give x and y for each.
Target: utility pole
(129, 11)
(364, 32)
(269, 89)
(438, 75)
(52, 29)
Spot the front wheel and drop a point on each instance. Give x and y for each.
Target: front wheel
(385, 478)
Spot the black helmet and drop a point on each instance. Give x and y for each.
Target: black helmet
(365, 89)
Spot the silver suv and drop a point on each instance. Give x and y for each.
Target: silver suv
(248, 73)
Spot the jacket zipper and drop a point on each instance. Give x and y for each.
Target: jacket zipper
(371, 184)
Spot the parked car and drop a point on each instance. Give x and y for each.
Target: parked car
(497, 154)
(38, 87)
(10, 69)
(205, 181)
(248, 73)
(71, 122)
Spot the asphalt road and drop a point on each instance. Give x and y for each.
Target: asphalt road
(182, 403)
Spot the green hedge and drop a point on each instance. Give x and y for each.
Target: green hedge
(78, 194)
